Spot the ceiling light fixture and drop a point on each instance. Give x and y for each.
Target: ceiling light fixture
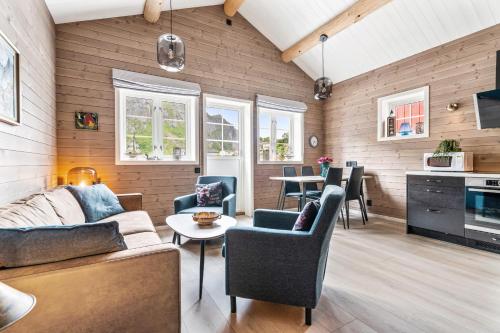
(323, 85)
(170, 50)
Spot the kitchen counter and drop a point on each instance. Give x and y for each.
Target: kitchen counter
(453, 174)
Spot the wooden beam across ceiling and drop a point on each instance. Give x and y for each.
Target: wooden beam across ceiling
(351, 15)
(152, 10)
(232, 6)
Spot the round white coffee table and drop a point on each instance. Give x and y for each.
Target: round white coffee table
(183, 225)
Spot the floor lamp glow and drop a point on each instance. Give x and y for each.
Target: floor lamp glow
(14, 305)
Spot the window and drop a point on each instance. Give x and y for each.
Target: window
(156, 128)
(404, 115)
(223, 133)
(280, 136)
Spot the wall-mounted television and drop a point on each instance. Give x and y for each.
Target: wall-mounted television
(487, 105)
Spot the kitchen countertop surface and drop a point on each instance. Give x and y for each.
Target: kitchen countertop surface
(453, 174)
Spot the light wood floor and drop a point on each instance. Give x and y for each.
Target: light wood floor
(378, 279)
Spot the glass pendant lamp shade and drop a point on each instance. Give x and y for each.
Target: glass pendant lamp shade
(82, 176)
(170, 53)
(323, 85)
(323, 88)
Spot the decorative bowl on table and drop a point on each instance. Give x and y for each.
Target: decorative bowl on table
(206, 218)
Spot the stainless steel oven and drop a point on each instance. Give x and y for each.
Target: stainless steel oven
(482, 209)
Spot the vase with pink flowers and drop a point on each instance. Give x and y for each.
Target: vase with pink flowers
(324, 163)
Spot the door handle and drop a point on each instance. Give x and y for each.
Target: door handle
(430, 210)
(434, 180)
(434, 191)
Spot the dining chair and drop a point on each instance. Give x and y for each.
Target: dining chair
(312, 191)
(290, 189)
(350, 164)
(353, 191)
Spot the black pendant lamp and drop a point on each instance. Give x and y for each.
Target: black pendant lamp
(323, 85)
(170, 50)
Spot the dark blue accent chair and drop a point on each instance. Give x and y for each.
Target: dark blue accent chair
(270, 262)
(187, 203)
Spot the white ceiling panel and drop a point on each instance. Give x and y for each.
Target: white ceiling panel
(398, 30)
(64, 11)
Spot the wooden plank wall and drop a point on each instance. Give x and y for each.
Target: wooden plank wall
(235, 61)
(454, 72)
(28, 162)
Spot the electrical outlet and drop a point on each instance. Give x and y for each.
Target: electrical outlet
(369, 202)
(197, 170)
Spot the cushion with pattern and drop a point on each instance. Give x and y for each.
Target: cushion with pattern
(209, 194)
(306, 218)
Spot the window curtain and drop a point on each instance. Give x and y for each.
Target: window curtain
(145, 82)
(280, 104)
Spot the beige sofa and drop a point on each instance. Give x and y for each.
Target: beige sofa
(135, 290)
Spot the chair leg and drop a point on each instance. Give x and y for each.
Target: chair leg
(361, 210)
(343, 219)
(308, 316)
(233, 304)
(298, 205)
(347, 213)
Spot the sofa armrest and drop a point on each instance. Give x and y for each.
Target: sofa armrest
(274, 219)
(130, 201)
(184, 202)
(136, 290)
(229, 205)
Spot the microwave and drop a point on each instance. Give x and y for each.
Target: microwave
(460, 161)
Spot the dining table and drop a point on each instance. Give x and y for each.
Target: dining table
(302, 181)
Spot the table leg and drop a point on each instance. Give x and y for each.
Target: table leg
(202, 264)
(281, 195)
(174, 239)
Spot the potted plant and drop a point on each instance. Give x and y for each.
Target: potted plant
(324, 163)
(441, 156)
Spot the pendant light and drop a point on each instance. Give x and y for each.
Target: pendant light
(170, 50)
(323, 85)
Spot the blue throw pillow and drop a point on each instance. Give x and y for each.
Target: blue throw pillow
(209, 194)
(307, 216)
(39, 245)
(97, 201)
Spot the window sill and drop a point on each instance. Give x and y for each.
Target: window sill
(403, 137)
(280, 162)
(155, 162)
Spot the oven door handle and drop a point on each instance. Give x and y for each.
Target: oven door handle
(483, 190)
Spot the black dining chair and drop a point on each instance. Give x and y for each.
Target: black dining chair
(353, 191)
(312, 191)
(290, 189)
(334, 177)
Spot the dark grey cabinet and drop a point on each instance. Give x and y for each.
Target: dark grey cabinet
(436, 203)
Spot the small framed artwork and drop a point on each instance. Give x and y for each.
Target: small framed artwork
(404, 115)
(10, 86)
(87, 121)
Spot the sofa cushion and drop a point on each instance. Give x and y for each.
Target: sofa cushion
(307, 216)
(142, 239)
(97, 201)
(44, 244)
(36, 211)
(209, 194)
(132, 222)
(65, 206)
(193, 210)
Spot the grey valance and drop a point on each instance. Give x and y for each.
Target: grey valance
(280, 104)
(145, 82)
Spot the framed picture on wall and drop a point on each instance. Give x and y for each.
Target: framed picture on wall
(404, 115)
(10, 86)
(87, 121)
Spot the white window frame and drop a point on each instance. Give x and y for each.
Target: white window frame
(226, 106)
(192, 129)
(386, 104)
(296, 138)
